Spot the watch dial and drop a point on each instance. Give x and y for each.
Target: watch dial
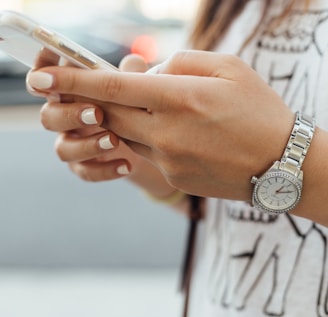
(277, 192)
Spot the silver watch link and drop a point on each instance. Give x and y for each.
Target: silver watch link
(279, 189)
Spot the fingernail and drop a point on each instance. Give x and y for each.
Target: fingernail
(88, 116)
(123, 170)
(40, 80)
(105, 143)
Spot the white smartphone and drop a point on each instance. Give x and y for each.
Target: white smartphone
(23, 39)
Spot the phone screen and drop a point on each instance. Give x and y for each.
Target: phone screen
(24, 40)
(19, 46)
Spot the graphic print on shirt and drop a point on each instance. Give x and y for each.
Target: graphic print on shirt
(289, 58)
(295, 39)
(236, 272)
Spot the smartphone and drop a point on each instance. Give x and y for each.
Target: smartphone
(24, 39)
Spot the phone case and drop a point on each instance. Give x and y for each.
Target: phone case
(23, 39)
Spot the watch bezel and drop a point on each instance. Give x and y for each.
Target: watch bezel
(270, 174)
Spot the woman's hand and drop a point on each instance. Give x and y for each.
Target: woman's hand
(94, 153)
(207, 121)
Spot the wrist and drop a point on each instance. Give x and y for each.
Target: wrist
(313, 203)
(279, 189)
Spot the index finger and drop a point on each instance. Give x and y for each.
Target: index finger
(130, 89)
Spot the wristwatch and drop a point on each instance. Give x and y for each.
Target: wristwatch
(279, 189)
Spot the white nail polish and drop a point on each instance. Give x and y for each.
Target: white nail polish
(40, 80)
(105, 143)
(123, 170)
(88, 116)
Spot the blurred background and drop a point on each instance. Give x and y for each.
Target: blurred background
(67, 247)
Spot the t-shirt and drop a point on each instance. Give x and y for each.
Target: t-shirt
(251, 264)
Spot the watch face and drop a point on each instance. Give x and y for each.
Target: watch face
(277, 192)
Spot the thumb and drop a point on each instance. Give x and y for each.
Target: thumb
(201, 63)
(133, 63)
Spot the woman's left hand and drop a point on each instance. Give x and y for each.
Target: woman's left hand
(206, 120)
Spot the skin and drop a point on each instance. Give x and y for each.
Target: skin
(78, 143)
(206, 121)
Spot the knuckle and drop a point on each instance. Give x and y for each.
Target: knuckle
(70, 119)
(182, 102)
(80, 171)
(69, 83)
(232, 64)
(92, 175)
(231, 59)
(110, 87)
(44, 118)
(59, 148)
(177, 59)
(88, 148)
(89, 177)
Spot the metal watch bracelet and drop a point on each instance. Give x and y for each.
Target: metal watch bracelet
(298, 144)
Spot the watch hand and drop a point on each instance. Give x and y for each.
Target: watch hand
(278, 190)
(287, 192)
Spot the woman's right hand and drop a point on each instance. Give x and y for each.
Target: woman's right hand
(93, 153)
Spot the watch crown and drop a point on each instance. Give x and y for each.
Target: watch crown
(254, 180)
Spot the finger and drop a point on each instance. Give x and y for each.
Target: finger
(101, 171)
(46, 58)
(129, 123)
(84, 132)
(133, 63)
(34, 92)
(66, 98)
(200, 63)
(43, 59)
(65, 117)
(141, 149)
(70, 148)
(132, 89)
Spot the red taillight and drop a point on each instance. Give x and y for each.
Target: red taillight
(145, 46)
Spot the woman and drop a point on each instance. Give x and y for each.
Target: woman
(207, 124)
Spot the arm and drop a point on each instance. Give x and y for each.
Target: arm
(198, 122)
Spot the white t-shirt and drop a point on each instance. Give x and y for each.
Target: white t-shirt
(250, 264)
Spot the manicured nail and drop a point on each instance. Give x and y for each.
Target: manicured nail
(40, 80)
(105, 143)
(123, 170)
(88, 116)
